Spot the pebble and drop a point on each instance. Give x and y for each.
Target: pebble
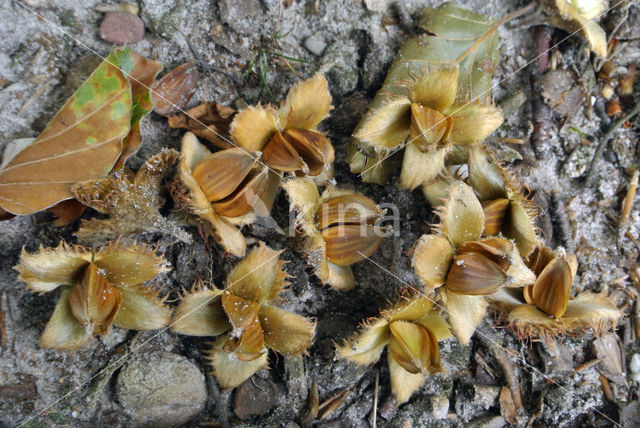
(485, 395)
(634, 368)
(315, 44)
(439, 407)
(161, 389)
(634, 365)
(122, 28)
(255, 397)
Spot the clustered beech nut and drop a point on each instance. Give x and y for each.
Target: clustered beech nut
(474, 257)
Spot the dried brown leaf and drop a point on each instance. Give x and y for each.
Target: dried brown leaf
(174, 90)
(131, 203)
(210, 121)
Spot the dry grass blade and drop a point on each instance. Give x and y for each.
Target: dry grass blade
(333, 402)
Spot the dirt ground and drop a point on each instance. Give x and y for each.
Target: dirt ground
(48, 47)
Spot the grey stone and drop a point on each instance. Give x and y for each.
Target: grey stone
(238, 13)
(161, 389)
(561, 93)
(488, 422)
(378, 5)
(578, 161)
(439, 407)
(485, 395)
(340, 66)
(122, 28)
(164, 16)
(315, 44)
(634, 364)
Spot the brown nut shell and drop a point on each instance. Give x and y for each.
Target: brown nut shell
(474, 274)
(495, 212)
(347, 209)
(256, 185)
(174, 90)
(221, 173)
(428, 127)
(552, 289)
(249, 346)
(241, 312)
(279, 154)
(350, 243)
(314, 148)
(94, 302)
(414, 347)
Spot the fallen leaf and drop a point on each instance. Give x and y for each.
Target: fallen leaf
(210, 121)
(132, 202)
(96, 129)
(141, 77)
(66, 212)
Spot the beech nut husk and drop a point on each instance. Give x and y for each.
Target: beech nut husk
(94, 302)
(474, 274)
(298, 150)
(495, 212)
(552, 289)
(232, 180)
(347, 225)
(414, 347)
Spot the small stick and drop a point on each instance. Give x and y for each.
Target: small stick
(507, 368)
(627, 233)
(206, 66)
(605, 139)
(586, 365)
(627, 204)
(512, 15)
(374, 412)
(539, 410)
(540, 111)
(3, 322)
(636, 318)
(606, 388)
(404, 18)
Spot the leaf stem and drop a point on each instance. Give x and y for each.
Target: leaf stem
(497, 25)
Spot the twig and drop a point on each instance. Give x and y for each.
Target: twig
(586, 365)
(627, 233)
(204, 65)
(404, 18)
(539, 410)
(505, 363)
(605, 139)
(606, 388)
(332, 403)
(540, 111)
(627, 204)
(374, 412)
